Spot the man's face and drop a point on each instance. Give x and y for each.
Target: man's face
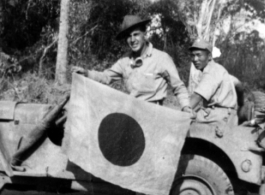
(136, 40)
(200, 58)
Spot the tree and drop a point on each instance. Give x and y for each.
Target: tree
(202, 17)
(61, 62)
(22, 22)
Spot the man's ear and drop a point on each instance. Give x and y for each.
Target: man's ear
(146, 36)
(210, 56)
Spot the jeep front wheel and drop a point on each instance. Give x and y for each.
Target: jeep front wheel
(197, 175)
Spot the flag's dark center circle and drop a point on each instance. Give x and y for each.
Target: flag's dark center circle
(121, 139)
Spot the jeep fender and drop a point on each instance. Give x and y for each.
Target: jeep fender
(238, 144)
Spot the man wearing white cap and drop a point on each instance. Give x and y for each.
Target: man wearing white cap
(215, 90)
(145, 70)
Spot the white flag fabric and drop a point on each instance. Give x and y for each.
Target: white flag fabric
(122, 140)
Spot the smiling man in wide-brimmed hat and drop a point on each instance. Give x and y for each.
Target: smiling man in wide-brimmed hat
(145, 70)
(135, 40)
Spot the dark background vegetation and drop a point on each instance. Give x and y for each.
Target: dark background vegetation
(29, 30)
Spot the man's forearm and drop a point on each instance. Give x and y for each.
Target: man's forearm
(183, 97)
(101, 77)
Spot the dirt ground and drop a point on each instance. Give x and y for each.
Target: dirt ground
(33, 192)
(107, 189)
(9, 192)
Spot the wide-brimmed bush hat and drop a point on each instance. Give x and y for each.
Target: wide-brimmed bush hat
(129, 23)
(201, 44)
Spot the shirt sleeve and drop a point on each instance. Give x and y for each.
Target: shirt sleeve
(108, 76)
(176, 83)
(235, 80)
(208, 85)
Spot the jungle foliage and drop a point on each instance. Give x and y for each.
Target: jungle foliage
(29, 33)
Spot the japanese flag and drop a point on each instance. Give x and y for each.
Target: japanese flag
(122, 140)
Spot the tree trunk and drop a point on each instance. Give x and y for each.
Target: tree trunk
(200, 20)
(212, 5)
(61, 62)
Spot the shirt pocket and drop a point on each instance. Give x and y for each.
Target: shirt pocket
(144, 82)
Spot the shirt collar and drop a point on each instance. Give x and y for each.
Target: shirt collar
(208, 66)
(149, 50)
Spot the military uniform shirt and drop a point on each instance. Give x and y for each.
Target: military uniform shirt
(216, 87)
(146, 77)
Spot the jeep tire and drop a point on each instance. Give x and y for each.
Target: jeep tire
(197, 175)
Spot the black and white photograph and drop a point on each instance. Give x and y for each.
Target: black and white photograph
(132, 97)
